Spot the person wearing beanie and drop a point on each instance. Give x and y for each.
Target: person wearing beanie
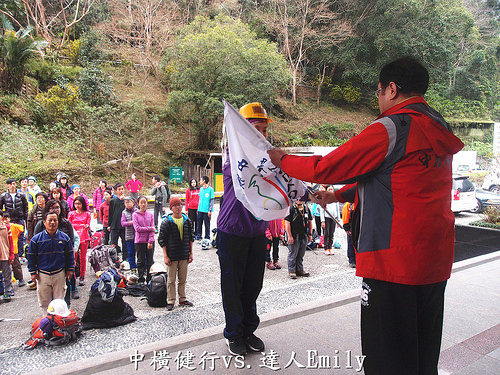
(176, 239)
(32, 186)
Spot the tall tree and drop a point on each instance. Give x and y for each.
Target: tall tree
(215, 59)
(303, 25)
(56, 18)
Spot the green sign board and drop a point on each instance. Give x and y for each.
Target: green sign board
(176, 175)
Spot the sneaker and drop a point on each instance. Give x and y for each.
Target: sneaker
(82, 282)
(270, 266)
(170, 306)
(10, 292)
(277, 265)
(327, 251)
(237, 346)
(292, 275)
(75, 294)
(5, 298)
(21, 283)
(303, 273)
(352, 265)
(254, 343)
(186, 303)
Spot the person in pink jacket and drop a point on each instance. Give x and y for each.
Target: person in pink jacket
(80, 219)
(77, 192)
(144, 226)
(134, 186)
(192, 200)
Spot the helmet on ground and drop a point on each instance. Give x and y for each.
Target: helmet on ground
(254, 110)
(125, 266)
(205, 244)
(157, 268)
(58, 307)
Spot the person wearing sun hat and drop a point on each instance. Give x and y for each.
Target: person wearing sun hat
(242, 255)
(33, 186)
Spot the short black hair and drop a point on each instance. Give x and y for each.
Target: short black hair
(23, 178)
(10, 181)
(409, 74)
(5, 213)
(156, 177)
(47, 213)
(42, 194)
(206, 179)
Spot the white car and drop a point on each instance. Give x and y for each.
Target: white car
(463, 194)
(492, 182)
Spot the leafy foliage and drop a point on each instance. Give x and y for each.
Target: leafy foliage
(16, 48)
(215, 59)
(61, 104)
(95, 87)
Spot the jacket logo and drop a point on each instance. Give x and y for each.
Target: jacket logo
(365, 291)
(425, 159)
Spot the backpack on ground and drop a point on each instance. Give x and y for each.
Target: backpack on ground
(96, 238)
(103, 257)
(156, 294)
(54, 330)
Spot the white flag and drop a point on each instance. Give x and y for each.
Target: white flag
(264, 189)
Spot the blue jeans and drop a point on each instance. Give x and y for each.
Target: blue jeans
(242, 262)
(203, 218)
(131, 254)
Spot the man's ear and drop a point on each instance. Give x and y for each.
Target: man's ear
(392, 90)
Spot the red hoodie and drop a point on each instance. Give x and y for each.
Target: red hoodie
(399, 174)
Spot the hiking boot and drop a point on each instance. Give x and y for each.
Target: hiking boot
(277, 265)
(237, 346)
(5, 298)
(170, 306)
(21, 283)
(292, 275)
(254, 343)
(303, 273)
(75, 294)
(186, 303)
(270, 266)
(82, 282)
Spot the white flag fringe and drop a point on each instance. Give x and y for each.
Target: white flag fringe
(263, 189)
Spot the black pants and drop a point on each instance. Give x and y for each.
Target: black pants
(273, 244)
(115, 235)
(329, 232)
(242, 262)
(193, 216)
(106, 236)
(317, 220)
(144, 261)
(401, 327)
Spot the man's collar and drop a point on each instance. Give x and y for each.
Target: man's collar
(402, 104)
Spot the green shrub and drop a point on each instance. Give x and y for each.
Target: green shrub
(346, 93)
(60, 103)
(95, 87)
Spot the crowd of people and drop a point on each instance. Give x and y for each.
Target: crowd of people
(389, 170)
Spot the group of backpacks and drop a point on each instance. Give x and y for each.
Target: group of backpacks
(105, 307)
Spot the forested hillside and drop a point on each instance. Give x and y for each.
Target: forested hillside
(100, 87)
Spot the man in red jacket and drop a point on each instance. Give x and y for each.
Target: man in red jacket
(398, 171)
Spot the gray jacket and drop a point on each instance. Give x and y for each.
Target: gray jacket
(161, 194)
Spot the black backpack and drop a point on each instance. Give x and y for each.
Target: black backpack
(157, 291)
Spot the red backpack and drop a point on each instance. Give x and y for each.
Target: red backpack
(61, 330)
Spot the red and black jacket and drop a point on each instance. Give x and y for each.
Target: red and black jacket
(399, 173)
